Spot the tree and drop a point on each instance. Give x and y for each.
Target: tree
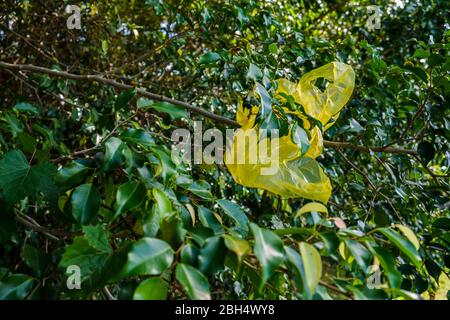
(93, 205)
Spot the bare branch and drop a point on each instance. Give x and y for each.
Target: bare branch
(189, 107)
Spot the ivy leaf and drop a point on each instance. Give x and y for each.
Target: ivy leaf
(85, 202)
(148, 256)
(129, 196)
(193, 281)
(268, 249)
(81, 254)
(404, 245)
(18, 179)
(15, 287)
(151, 289)
(98, 238)
(235, 212)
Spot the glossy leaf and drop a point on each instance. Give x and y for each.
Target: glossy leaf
(151, 289)
(193, 281)
(403, 244)
(268, 249)
(148, 256)
(85, 202)
(129, 196)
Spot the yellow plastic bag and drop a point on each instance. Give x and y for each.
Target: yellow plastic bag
(282, 168)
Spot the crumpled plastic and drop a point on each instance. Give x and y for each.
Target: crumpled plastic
(292, 174)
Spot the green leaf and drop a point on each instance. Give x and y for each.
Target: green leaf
(312, 268)
(18, 179)
(202, 189)
(69, 176)
(163, 203)
(419, 72)
(212, 255)
(138, 136)
(268, 249)
(409, 234)
(360, 253)
(193, 281)
(129, 196)
(97, 238)
(421, 53)
(26, 107)
(151, 289)
(442, 223)
(148, 256)
(113, 153)
(124, 98)
(254, 72)
(235, 212)
(174, 111)
(166, 168)
(14, 124)
(209, 220)
(435, 59)
(143, 102)
(35, 259)
(355, 126)
(273, 48)
(15, 287)
(209, 58)
(312, 207)
(85, 202)
(239, 246)
(81, 254)
(388, 263)
(404, 245)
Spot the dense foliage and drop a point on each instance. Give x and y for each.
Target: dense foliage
(87, 179)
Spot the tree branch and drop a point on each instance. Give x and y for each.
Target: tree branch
(189, 107)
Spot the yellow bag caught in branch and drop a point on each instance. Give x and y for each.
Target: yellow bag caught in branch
(277, 164)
